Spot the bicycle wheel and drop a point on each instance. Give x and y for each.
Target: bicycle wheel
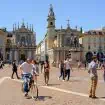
(34, 91)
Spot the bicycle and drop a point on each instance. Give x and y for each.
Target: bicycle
(32, 87)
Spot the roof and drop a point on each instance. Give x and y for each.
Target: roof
(23, 30)
(95, 32)
(2, 33)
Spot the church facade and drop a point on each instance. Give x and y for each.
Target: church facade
(19, 43)
(60, 43)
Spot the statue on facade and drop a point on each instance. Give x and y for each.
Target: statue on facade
(72, 41)
(75, 42)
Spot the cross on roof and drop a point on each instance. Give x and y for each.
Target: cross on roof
(68, 23)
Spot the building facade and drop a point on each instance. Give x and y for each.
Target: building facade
(93, 43)
(19, 44)
(60, 43)
(2, 45)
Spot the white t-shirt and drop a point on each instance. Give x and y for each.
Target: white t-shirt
(27, 68)
(92, 69)
(67, 65)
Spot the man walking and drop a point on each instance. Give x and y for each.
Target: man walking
(93, 76)
(26, 70)
(67, 68)
(14, 69)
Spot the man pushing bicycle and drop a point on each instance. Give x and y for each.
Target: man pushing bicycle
(26, 72)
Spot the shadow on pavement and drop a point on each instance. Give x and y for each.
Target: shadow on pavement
(43, 98)
(75, 80)
(53, 84)
(102, 97)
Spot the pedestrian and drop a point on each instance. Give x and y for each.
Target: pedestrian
(92, 70)
(61, 67)
(14, 69)
(26, 70)
(46, 72)
(68, 68)
(35, 70)
(103, 68)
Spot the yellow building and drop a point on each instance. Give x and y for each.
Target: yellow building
(58, 44)
(2, 45)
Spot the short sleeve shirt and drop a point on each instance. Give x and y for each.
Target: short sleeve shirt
(27, 68)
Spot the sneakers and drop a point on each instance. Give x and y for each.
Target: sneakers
(26, 94)
(90, 96)
(94, 97)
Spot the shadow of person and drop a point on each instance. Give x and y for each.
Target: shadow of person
(53, 84)
(75, 80)
(101, 97)
(43, 98)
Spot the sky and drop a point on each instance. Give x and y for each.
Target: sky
(90, 14)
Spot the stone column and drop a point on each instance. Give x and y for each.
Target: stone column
(58, 40)
(64, 55)
(16, 56)
(57, 58)
(10, 58)
(29, 54)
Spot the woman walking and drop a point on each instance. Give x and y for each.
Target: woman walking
(35, 71)
(46, 72)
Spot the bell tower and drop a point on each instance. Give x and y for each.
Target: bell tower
(50, 27)
(51, 18)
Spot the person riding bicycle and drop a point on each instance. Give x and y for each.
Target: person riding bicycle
(26, 72)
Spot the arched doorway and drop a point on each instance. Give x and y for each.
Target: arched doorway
(23, 57)
(89, 56)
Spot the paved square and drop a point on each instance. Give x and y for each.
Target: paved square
(74, 92)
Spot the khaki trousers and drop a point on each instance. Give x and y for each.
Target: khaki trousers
(94, 81)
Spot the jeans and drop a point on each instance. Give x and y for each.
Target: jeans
(68, 73)
(26, 78)
(62, 73)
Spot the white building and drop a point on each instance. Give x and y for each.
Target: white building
(93, 43)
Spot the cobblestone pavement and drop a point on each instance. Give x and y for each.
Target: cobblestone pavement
(73, 92)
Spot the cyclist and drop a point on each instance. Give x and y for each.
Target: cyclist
(26, 70)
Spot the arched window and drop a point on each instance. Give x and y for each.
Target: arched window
(51, 23)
